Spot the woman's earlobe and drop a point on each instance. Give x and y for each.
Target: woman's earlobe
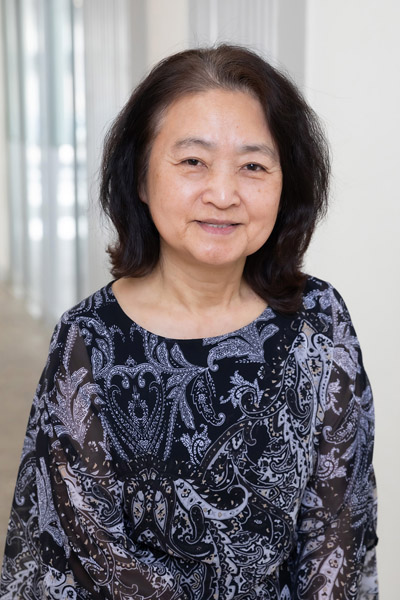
(142, 194)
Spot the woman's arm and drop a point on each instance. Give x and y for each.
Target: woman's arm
(335, 556)
(67, 531)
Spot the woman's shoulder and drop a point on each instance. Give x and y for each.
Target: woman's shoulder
(316, 285)
(322, 301)
(321, 292)
(97, 308)
(93, 305)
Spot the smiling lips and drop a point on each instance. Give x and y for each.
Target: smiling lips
(219, 227)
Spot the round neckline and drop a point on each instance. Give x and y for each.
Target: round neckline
(209, 339)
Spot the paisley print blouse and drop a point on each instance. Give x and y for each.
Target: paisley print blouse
(233, 467)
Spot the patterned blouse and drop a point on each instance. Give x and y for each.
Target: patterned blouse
(231, 467)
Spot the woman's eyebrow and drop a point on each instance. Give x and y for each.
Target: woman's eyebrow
(263, 148)
(193, 141)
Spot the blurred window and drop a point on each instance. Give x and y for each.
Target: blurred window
(46, 147)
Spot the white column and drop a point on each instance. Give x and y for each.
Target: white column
(290, 37)
(248, 22)
(114, 60)
(166, 28)
(4, 215)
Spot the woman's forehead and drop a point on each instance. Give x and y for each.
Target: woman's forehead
(201, 118)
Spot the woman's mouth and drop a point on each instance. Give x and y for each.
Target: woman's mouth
(218, 227)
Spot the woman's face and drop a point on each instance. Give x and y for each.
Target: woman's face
(214, 179)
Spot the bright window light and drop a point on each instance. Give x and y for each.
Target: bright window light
(35, 228)
(66, 228)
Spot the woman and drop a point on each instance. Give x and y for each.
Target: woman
(203, 427)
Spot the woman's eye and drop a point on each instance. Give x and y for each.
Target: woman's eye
(254, 167)
(192, 162)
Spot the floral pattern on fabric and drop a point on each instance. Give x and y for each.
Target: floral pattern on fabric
(232, 467)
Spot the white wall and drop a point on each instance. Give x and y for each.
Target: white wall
(4, 239)
(352, 81)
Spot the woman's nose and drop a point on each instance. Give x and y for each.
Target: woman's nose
(221, 189)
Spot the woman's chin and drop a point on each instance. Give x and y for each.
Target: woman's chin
(218, 261)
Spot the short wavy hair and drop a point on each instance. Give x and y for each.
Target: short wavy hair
(274, 272)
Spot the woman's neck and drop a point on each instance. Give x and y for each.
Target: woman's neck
(201, 289)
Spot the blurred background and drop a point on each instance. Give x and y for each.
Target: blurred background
(68, 66)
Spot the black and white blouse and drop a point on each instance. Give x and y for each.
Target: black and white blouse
(231, 467)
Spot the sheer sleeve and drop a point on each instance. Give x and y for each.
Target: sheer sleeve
(335, 556)
(67, 535)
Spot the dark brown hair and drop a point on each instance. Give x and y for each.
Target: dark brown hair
(274, 271)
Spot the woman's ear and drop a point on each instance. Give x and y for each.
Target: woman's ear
(142, 192)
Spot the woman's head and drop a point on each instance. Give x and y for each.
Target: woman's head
(273, 271)
(213, 183)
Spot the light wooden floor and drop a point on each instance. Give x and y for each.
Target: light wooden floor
(23, 350)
